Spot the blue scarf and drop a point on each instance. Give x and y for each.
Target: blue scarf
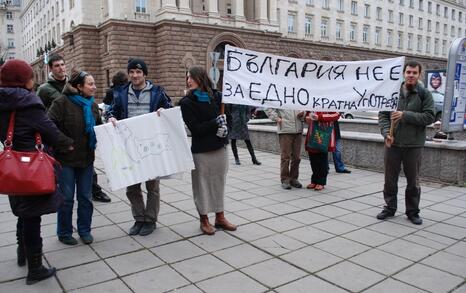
(89, 119)
(202, 96)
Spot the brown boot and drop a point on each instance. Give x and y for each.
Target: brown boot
(206, 227)
(221, 222)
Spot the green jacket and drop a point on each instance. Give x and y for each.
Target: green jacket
(418, 112)
(69, 118)
(50, 91)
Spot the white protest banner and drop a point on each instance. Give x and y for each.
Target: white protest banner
(266, 80)
(144, 147)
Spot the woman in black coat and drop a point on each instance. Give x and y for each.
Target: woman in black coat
(16, 83)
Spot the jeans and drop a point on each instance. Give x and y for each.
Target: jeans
(337, 161)
(81, 178)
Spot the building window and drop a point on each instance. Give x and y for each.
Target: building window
(389, 38)
(421, 5)
(420, 23)
(310, 2)
(411, 3)
(411, 21)
(445, 29)
(9, 15)
(323, 28)
(429, 7)
(291, 23)
(452, 31)
(141, 6)
(453, 14)
(445, 12)
(444, 47)
(365, 34)
(354, 8)
(410, 41)
(9, 28)
(62, 5)
(401, 18)
(437, 10)
(429, 25)
(229, 10)
(11, 43)
(437, 27)
(377, 35)
(71, 4)
(419, 43)
(308, 25)
(436, 43)
(325, 4)
(367, 10)
(390, 16)
(427, 44)
(352, 32)
(341, 5)
(338, 30)
(460, 16)
(402, 2)
(379, 13)
(459, 32)
(400, 40)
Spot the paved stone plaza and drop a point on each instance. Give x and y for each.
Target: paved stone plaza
(288, 241)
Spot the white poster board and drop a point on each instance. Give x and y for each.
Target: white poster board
(143, 148)
(266, 80)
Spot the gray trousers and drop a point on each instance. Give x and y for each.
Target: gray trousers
(411, 160)
(150, 212)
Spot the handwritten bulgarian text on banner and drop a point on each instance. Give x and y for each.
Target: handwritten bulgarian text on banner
(144, 147)
(266, 80)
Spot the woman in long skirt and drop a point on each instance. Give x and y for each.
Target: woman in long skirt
(201, 113)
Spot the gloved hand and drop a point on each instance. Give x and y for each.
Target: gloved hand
(222, 131)
(221, 120)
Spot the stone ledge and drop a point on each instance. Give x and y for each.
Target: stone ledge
(442, 161)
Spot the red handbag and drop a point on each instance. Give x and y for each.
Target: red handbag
(25, 173)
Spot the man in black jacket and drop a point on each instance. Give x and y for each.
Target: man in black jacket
(51, 90)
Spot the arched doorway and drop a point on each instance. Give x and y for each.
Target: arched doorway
(218, 44)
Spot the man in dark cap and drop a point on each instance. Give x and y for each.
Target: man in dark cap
(139, 97)
(51, 90)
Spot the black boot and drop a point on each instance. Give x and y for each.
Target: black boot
(21, 253)
(235, 151)
(20, 250)
(36, 271)
(251, 152)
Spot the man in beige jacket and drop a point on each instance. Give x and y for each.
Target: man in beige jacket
(290, 134)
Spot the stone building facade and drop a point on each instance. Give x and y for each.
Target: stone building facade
(171, 47)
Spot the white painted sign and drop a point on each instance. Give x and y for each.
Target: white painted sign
(266, 80)
(144, 147)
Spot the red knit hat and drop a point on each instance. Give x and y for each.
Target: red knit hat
(15, 73)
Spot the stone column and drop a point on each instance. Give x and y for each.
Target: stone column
(168, 5)
(184, 6)
(273, 12)
(213, 8)
(261, 11)
(238, 9)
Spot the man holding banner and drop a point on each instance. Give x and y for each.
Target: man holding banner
(404, 131)
(140, 97)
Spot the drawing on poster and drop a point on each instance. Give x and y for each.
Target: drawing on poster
(139, 148)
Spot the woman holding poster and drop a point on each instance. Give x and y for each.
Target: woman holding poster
(320, 140)
(201, 113)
